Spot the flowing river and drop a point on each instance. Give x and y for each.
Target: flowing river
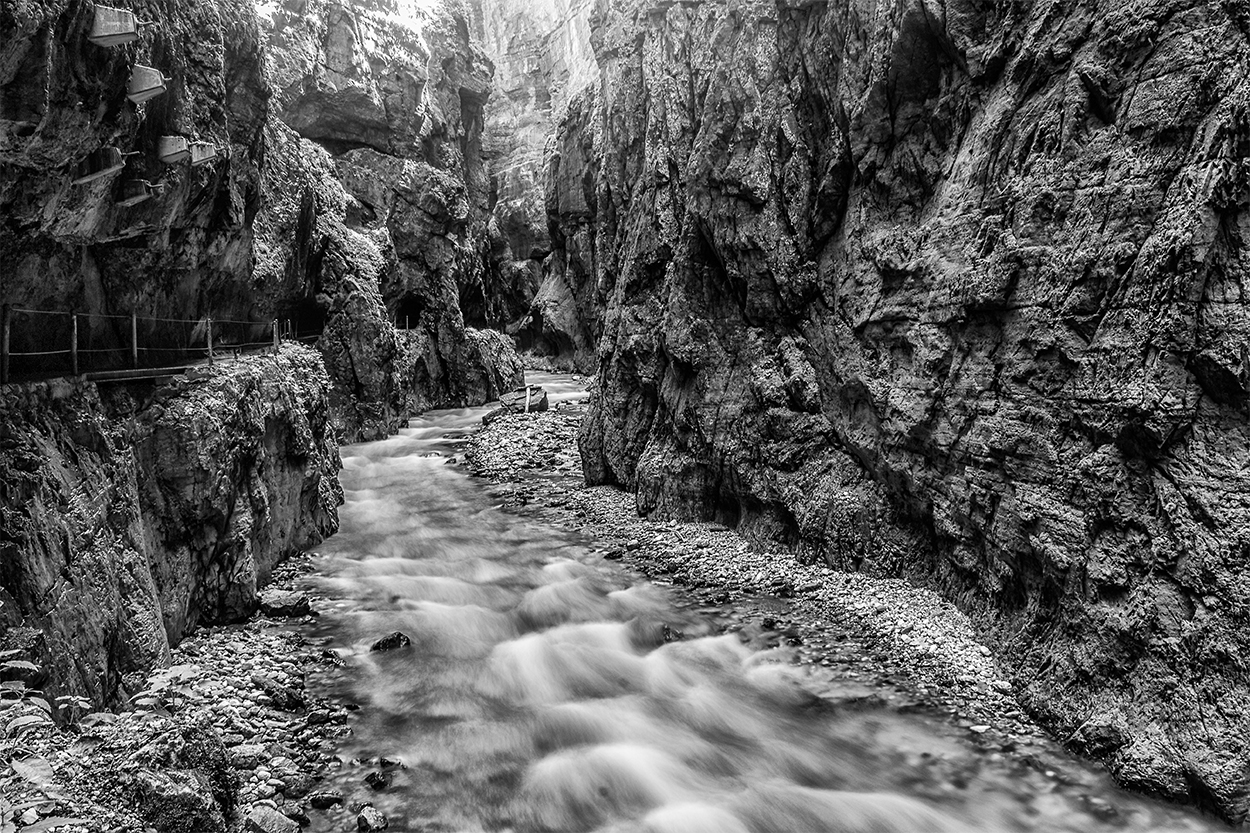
(539, 692)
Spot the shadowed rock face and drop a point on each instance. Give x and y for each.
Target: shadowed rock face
(350, 167)
(543, 61)
(383, 108)
(127, 522)
(954, 290)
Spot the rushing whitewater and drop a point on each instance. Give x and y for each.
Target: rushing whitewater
(542, 690)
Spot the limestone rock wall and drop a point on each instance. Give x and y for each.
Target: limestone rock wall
(125, 521)
(350, 182)
(543, 58)
(380, 107)
(956, 290)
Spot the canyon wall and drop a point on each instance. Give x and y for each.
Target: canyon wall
(543, 62)
(128, 517)
(954, 290)
(349, 193)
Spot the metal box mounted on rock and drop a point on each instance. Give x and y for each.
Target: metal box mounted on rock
(114, 27)
(99, 164)
(145, 83)
(202, 152)
(172, 149)
(135, 191)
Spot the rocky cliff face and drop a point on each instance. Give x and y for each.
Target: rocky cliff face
(126, 521)
(543, 62)
(349, 193)
(380, 110)
(956, 290)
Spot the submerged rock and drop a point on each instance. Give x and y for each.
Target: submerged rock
(391, 642)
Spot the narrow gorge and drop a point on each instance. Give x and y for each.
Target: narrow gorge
(948, 295)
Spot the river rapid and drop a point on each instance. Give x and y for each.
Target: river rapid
(548, 689)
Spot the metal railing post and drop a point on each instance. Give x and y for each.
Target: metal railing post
(134, 340)
(7, 326)
(275, 336)
(210, 341)
(73, 345)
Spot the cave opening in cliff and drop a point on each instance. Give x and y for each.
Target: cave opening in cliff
(409, 311)
(306, 317)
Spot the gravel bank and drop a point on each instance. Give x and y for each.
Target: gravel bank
(862, 640)
(223, 735)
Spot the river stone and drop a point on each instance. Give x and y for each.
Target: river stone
(285, 697)
(262, 819)
(179, 801)
(284, 603)
(325, 799)
(247, 755)
(379, 780)
(371, 819)
(391, 642)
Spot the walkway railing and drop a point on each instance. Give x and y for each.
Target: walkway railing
(40, 344)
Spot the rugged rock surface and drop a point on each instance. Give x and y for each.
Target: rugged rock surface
(349, 195)
(384, 113)
(954, 290)
(127, 522)
(566, 318)
(543, 58)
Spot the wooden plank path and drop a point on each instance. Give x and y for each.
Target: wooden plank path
(205, 354)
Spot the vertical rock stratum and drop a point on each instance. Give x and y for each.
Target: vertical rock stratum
(125, 522)
(543, 61)
(956, 290)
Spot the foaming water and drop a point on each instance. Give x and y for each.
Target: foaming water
(540, 694)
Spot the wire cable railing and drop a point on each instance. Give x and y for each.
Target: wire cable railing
(40, 344)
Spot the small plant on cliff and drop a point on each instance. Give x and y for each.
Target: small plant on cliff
(72, 707)
(167, 689)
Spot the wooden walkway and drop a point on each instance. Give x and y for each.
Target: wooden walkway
(201, 347)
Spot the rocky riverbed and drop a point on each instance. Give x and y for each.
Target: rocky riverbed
(226, 738)
(241, 734)
(864, 641)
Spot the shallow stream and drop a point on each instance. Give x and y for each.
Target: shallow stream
(539, 692)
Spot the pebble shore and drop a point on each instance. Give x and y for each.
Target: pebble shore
(235, 704)
(862, 640)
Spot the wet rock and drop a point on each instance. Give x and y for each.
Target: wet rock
(392, 642)
(262, 819)
(179, 801)
(379, 780)
(284, 603)
(324, 799)
(371, 819)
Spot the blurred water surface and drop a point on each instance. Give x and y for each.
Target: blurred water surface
(539, 693)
